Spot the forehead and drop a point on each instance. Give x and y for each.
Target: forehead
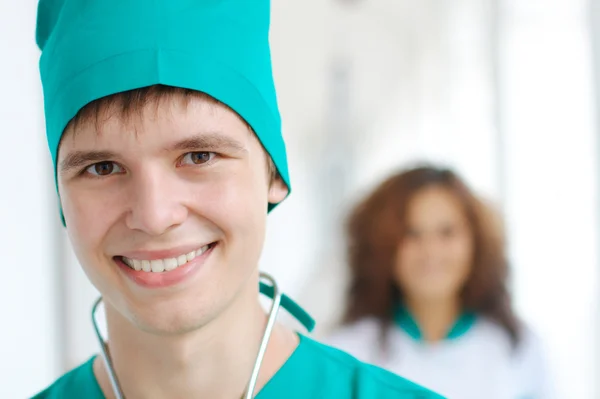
(435, 203)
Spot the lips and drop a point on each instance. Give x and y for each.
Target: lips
(163, 265)
(164, 272)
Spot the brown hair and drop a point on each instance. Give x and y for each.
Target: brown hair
(131, 103)
(377, 226)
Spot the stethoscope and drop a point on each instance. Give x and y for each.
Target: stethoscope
(271, 291)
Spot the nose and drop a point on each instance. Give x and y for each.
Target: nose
(156, 205)
(431, 245)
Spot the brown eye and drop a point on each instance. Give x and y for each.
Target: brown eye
(103, 169)
(411, 233)
(448, 232)
(197, 158)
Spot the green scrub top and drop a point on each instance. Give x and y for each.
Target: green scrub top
(313, 371)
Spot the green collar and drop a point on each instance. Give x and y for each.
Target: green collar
(292, 307)
(404, 320)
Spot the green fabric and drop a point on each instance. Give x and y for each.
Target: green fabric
(78, 383)
(93, 49)
(314, 371)
(406, 322)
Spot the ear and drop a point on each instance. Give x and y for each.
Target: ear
(277, 191)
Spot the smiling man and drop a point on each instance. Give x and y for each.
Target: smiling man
(164, 130)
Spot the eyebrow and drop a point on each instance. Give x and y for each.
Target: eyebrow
(207, 142)
(78, 159)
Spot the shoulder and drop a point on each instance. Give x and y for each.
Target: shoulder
(363, 380)
(79, 382)
(487, 335)
(530, 344)
(360, 338)
(531, 368)
(528, 348)
(527, 360)
(490, 330)
(530, 357)
(361, 332)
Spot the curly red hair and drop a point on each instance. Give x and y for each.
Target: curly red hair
(376, 227)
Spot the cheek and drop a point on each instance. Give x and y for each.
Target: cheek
(405, 261)
(462, 252)
(236, 203)
(233, 192)
(408, 254)
(88, 218)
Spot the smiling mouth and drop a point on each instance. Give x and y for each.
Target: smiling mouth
(164, 265)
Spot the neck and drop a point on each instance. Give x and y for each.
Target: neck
(434, 317)
(215, 361)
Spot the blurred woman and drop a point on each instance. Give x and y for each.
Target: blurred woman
(428, 297)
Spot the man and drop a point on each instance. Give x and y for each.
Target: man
(164, 130)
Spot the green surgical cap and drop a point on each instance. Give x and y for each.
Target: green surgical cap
(96, 48)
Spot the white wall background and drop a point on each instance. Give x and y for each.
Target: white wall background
(500, 90)
(551, 182)
(28, 339)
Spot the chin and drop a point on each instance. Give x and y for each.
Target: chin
(436, 290)
(170, 324)
(171, 317)
(164, 328)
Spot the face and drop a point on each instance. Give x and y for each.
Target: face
(434, 259)
(167, 212)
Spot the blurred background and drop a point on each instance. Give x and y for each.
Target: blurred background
(505, 92)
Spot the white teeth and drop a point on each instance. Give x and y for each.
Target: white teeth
(170, 264)
(137, 264)
(146, 266)
(162, 265)
(157, 265)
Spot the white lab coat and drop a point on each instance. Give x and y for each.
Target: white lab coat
(480, 364)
